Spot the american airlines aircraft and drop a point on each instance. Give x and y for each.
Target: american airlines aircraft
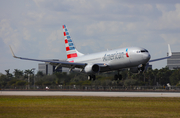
(134, 58)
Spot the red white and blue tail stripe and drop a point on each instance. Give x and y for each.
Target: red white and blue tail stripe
(70, 47)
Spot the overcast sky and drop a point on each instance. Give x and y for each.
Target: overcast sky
(33, 28)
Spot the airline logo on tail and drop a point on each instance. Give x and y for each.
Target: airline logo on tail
(70, 48)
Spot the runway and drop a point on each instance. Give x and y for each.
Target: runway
(100, 94)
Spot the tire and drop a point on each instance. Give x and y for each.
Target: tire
(120, 77)
(89, 77)
(115, 77)
(93, 77)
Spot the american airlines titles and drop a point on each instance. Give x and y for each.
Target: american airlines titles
(117, 55)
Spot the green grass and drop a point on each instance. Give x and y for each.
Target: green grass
(88, 107)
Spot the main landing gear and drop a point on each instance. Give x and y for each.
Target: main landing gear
(118, 76)
(91, 77)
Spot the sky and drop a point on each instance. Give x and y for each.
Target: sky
(33, 28)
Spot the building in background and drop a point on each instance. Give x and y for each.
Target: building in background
(48, 69)
(148, 66)
(174, 61)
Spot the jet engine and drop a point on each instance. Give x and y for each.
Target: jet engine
(92, 68)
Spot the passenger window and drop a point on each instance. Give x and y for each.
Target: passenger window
(138, 51)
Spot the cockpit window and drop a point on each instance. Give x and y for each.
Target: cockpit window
(141, 51)
(144, 51)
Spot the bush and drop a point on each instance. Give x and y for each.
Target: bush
(21, 83)
(130, 82)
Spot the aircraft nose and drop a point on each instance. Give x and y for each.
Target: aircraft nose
(147, 56)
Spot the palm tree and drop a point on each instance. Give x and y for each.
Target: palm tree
(28, 74)
(18, 73)
(9, 75)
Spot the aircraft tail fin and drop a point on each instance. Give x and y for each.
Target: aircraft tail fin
(70, 47)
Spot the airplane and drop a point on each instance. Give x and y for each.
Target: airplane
(134, 58)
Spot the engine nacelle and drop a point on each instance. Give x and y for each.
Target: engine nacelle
(90, 68)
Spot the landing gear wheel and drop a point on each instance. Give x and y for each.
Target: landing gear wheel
(91, 77)
(120, 77)
(117, 77)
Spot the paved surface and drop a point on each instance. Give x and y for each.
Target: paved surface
(102, 94)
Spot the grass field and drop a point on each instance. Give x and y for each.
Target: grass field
(88, 107)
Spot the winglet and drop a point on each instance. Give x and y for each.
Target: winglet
(168, 56)
(169, 51)
(12, 52)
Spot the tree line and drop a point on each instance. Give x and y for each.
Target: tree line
(150, 77)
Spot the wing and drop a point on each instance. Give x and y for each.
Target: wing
(54, 62)
(169, 55)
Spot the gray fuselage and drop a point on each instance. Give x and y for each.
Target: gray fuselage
(117, 59)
